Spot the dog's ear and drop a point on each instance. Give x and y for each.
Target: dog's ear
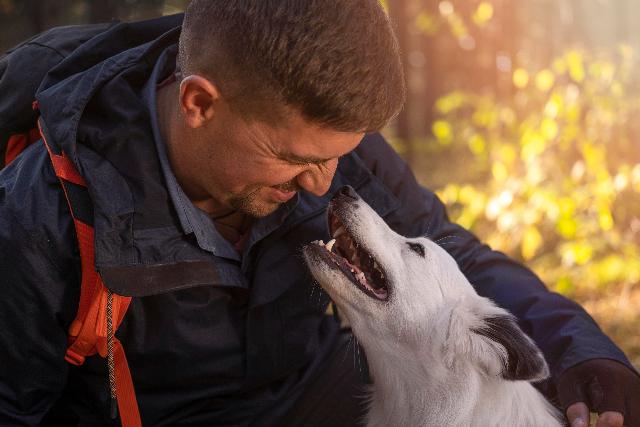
(489, 337)
(520, 357)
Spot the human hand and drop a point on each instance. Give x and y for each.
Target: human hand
(604, 386)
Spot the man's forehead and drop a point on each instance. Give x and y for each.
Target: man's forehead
(304, 142)
(323, 149)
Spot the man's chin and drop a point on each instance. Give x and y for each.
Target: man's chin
(258, 202)
(254, 208)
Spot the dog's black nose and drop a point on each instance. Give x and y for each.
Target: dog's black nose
(348, 191)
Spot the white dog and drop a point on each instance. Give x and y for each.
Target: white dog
(439, 354)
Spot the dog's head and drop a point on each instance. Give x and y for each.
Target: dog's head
(399, 291)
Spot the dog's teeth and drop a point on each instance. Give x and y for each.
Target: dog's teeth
(330, 244)
(338, 232)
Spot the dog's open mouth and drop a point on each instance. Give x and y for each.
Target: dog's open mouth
(354, 261)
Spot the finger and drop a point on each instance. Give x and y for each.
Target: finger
(578, 415)
(610, 419)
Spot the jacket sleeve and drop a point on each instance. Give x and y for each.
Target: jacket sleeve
(39, 284)
(563, 330)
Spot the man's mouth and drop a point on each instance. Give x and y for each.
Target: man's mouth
(282, 196)
(284, 192)
(354, 261)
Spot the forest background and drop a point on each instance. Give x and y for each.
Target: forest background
(521, 114)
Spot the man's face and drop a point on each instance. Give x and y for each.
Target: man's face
(253, 166)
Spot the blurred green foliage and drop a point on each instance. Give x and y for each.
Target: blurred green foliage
(551, 176)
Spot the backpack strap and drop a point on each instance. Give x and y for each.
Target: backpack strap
(92, 331)
(18, 142)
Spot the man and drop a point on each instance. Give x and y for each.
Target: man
(205, 181)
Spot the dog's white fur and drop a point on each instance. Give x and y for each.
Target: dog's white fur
(429, 364)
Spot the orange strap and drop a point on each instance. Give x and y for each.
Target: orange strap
(17, 143)
(88, 331)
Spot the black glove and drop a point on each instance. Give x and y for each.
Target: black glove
(604, 386)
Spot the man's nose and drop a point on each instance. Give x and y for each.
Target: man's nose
(317, 178)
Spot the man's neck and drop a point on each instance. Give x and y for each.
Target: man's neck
(231, 224)
(172, 131)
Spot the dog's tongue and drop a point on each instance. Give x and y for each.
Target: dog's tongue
(362, 261)
(362, 264)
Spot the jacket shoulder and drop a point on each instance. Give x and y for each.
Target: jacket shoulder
(383, 161)
(23, 68)
(33, 210)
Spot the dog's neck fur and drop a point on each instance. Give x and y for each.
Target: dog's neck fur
(439, 353)
(424, 387)
(413, 396)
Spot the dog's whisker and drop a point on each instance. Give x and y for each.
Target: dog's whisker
(359, 361)
(447, 237)
(344, 357)
(428, 233)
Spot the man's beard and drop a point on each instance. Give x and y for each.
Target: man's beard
(249, 203)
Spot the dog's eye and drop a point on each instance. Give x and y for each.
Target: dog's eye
(417, 248)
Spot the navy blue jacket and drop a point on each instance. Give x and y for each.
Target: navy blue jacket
(209, 340)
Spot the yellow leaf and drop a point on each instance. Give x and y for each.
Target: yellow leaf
(573, 113)
(583, 253)
(594, 156)
(507, 153)
(635, 177)
(442, 131)
(576, 66)
(457, 26)
(427, 23)
(611, 269)
(559, 66)
(549, 128)
(483, 13)
(605, 219)
(477, 144)
(564, 285)
(485, 117)
(567, 227)
(533, 144)
(554, 105)
(466, 219)
(567, 206)
(544, 80)
(531, 242)
(449, 194)
(520, 78)
(499, 171)
(451, 102)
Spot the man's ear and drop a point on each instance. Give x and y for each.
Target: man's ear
(198, 97)
(521, 359)
(490, 337)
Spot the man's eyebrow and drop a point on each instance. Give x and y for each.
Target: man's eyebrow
(305, 159)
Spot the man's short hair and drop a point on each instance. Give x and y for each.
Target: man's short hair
(334, 61)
